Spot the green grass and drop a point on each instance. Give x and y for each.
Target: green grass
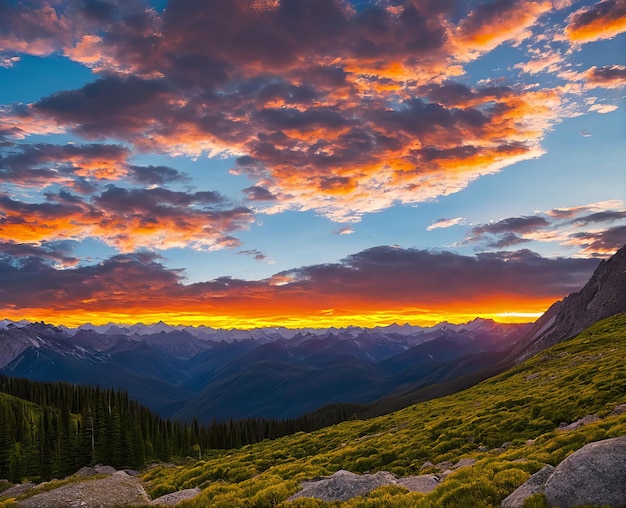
(582, 376)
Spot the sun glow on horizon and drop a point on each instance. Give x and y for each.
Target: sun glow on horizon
(369, 320)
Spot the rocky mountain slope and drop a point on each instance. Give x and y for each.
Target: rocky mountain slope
(603, 296)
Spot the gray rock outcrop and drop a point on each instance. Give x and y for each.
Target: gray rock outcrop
(422, 483)
(585, 420)
(534, 485)
(603, 296)
(117, 489)
(94, 470)
(593, 475)
(344, 485)
(174, 498)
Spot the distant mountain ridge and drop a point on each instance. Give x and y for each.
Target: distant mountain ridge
(188, 372)
(603, 296)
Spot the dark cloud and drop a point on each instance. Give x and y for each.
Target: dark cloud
(599, 217)
(609, 76)
(115, 281)
(601, 243)
(153, 200)
(156, 175)
(524, 224)
(45, 163)
(384, 278)
(405, 274)
(20, 253)
(256, 193)
(256, 254)
(35, 28)
(506, 240)
(420, 118)
(283, 118)
(107, 107)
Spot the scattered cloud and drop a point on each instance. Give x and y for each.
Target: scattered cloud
(595, 229)
(346, 230)
(603, 108)
(445, 223)
(256, 254)
(8, 61)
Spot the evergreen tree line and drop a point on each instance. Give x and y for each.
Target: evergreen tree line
(50, 430)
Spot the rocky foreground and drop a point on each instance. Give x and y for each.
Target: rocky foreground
(92, 487)
(594, 475)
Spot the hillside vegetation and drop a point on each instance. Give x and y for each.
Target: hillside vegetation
(507, 423)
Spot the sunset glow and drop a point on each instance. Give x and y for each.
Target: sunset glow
(307, 163)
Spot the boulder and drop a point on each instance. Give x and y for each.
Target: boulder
(344, 485)
(593, 475)
(17, 490)
(585, 420)
(174, 498)
(94, 470)
(534, 485)
(422, 483)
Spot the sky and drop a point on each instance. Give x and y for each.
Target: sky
(307, 163)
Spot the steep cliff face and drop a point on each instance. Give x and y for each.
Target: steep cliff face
(603, 296)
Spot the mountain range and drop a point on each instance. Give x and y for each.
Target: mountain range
(188, 372)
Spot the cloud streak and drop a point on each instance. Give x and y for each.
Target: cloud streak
(596, 230)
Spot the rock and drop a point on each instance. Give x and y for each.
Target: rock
(618, 410)
(423, 483)
(94, 470)
(17, 490)
(464, 463)
(117, 489)
(344, 485)
(585, 420)
(446, 464)
(593, 475)
(443, 475)
(174, 498)
(601, 297)
(534, 485)
(427, 464)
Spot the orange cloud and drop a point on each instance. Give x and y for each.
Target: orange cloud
(491, 24)
(609, 76)
(603, 20)
(126, 219)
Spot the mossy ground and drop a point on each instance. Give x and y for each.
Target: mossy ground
(521, 407)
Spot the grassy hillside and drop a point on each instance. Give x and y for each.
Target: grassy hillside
(521, 407)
